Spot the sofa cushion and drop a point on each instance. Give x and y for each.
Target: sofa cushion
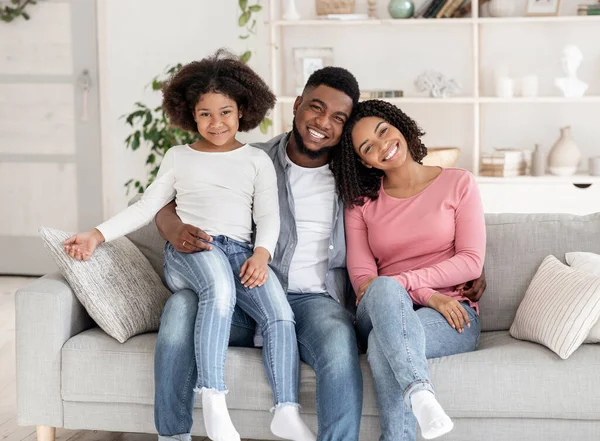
(516, 246)
(588, 263)
(117, 286)
(503, 378)
(561, 306)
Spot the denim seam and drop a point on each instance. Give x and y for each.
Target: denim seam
(182, 406)
(317, 386)
(404, 336)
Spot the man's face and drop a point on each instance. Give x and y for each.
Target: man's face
(319, 118)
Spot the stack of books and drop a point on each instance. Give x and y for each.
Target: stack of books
(505, 163)
(445, 9)
(588, 9)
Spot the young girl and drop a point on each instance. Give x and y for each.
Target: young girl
(221, 186)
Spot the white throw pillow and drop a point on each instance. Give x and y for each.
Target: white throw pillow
(589, 263)
(560, 307)
(117, 286)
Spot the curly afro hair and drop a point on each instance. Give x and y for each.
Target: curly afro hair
(336, 78)
(222, 73)
(355, 182)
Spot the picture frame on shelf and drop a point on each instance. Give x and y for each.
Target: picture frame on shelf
(542, 7)
(307, 60)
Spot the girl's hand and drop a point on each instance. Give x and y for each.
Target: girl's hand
(255, 270)
(82, 245)
(451, 309)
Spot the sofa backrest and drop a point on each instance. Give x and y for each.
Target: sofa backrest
(516, 245)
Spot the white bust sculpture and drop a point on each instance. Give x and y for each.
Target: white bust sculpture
(570, 85)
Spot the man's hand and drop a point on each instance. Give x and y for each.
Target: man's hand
(188, 239)
(362, 289)
(255, 270)
(451, 309)
(474, 289)
(184, 238)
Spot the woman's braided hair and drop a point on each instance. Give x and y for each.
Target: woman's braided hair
(355, 182)
(222, 73)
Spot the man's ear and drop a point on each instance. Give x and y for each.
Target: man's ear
(297, 103)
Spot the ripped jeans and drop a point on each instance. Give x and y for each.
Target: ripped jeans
(214, 277)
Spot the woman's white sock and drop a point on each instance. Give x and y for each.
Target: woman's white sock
(288, 424)
(217, 422)
(432, 419)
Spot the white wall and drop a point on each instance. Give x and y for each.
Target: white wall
(138, 38)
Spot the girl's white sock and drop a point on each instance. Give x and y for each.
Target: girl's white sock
(287, 424)
(432, 419)
(216, 417)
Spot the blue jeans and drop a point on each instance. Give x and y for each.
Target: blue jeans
(400, 339)
(327, 342)
(214, 277)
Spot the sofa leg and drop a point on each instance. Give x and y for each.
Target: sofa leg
(45, 433)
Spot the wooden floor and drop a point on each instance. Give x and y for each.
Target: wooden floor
(9, 430)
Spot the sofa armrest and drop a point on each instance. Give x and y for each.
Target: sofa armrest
(47, 315)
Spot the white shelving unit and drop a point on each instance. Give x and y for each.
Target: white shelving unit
(476, 99)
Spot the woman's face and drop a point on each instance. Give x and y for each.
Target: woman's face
(217, 118)
(379, 144)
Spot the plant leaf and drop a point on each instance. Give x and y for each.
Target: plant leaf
(243, 4)
(255, 8)
(245, 57)
(244, 18)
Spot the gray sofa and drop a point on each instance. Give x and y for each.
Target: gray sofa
(71, 374)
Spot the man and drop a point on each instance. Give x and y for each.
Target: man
(310, 262)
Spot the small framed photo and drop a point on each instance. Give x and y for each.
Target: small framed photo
(543, 7)
(306, 61)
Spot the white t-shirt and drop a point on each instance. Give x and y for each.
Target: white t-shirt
(219, 192)
(314, 195)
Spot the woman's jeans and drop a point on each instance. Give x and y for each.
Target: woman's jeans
(400, 339)
(214, 277)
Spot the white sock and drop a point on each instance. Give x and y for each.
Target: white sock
(287, 424)
(432, 419)
(216, 417)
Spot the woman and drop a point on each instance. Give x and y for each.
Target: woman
(414, 233)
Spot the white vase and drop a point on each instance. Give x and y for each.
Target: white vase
(290, 13)
(564, 158)
(502, 8)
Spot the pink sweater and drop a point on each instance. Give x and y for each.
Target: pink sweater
(429, 242)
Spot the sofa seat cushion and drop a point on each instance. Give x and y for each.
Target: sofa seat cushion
(504, 378)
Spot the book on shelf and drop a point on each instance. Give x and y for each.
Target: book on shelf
(503, 157)
(588, 9)
(501, 172)
(373, 94)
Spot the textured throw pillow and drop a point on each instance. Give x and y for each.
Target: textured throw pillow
(559, 309)
(588, 263)
(117, 285)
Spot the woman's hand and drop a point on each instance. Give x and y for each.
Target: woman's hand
(362, 289)
(451, 309)
(82, 245)
(255, 270)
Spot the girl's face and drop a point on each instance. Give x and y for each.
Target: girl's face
(217, 117)
(379, 144)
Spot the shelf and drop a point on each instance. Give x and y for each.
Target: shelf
(547, 179)
(441, 21)
(539, 99)
(403, 100)
(376, 22)
(551, 19)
